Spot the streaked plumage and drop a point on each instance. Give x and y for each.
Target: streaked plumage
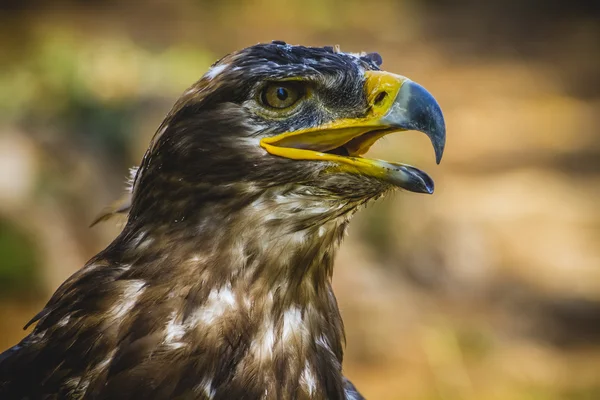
(219, 286)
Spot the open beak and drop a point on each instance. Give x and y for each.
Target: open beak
(396, 104)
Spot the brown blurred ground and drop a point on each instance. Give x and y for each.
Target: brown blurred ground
(490, 289)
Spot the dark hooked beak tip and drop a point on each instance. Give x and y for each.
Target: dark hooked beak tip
(416, 180)
(416, 109)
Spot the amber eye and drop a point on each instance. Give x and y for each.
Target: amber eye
(281, 95)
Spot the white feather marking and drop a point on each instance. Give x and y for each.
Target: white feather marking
(298, 238)
(293, 324)
(174, 331)
(132, 291)
(214, 71)
(268, 341)
(307, 379)
(262, 346)
(321, 231)
(205, 386)
(64, 321)
(319, 210)
(219, 301)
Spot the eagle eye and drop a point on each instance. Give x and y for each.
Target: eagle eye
(281, 95)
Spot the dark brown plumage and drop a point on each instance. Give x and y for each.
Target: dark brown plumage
(219, 286)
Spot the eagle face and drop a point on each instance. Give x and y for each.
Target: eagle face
(279, 115)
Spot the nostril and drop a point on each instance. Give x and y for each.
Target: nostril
(379, 98)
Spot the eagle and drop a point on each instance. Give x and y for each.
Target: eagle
(219, 286)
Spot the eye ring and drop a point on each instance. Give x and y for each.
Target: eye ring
(281, 95)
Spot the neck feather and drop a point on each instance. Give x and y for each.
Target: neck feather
(250, 289)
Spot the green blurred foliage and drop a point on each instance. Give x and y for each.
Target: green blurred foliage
(20, 258)
(93, 89)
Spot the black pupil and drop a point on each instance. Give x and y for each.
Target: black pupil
(282, 94)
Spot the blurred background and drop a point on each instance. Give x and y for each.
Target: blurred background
(489, 289)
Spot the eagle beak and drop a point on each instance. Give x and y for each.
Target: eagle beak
(395, 104)
(416, 109)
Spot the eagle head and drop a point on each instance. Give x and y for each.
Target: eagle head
(276, 115)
